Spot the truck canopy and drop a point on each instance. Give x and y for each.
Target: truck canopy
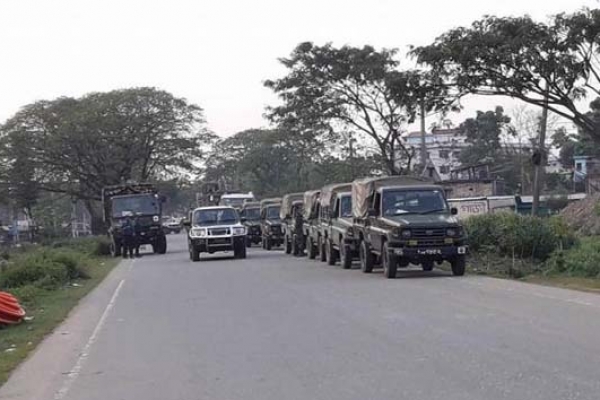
(267, 202)
(311, 200)
(329, 192)
(363, 189)
(287, 202)
(109, 192)
(251, 204)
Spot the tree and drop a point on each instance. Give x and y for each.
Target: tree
(550, 65)
(78, 146)
(484, 134)
(332, 90)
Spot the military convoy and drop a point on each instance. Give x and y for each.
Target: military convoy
(387, 222)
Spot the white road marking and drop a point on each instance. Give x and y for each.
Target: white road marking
(76, 370)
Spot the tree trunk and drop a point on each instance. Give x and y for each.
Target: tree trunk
(98, 226)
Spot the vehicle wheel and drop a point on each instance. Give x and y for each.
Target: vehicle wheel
(345, 256)
(294, 245)
(367, 260)
(263, 243)
(239, 251)
(390, 263)
(194, 254)
(458, 265)
(427, 265)
(322, 254)
(115, 249)
(268, 244)
(248, 242)
(288, 245)
(161, 245)
(312, 250)
(331, 256)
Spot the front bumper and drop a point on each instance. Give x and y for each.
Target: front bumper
(211, 244)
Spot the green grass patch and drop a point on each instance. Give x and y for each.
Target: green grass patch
(48, 281)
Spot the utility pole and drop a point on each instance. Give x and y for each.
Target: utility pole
(423, 133)
(537, 179)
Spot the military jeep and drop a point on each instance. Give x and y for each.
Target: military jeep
(311, 222)
(406, 220)
(250, 215)
(337, 227)
(270, 223)
(291, 222)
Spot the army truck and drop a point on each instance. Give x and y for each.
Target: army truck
(250, 217)
(140, 203)
(270, 223)
(338, 227)
(311, 222)
(404, 220)
(291, 222)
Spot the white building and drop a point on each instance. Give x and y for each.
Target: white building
(443, 149)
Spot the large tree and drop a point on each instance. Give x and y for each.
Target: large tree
(553, 65)
(78, 146)
(354, 90)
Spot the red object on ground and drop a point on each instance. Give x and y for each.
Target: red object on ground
(10, 310)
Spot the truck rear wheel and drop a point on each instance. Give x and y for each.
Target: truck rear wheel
(161, 245)
(459, 265)
(312, 249)
(331, 253)
(321, 245)
(390, 263)
(288, 244)
(345, 256)
(427, 265)
(367, 260)
(268, 244)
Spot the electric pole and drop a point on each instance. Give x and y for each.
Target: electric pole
(540, 161)
(423, 133)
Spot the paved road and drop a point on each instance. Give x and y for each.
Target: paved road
(276, 327)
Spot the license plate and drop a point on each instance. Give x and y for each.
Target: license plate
(429, 252)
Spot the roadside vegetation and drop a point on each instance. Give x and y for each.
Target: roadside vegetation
(541, 250)
(48, 280)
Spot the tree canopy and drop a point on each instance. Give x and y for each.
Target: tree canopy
(525, 59)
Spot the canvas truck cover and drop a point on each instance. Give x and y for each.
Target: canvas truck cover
(109, 192)
(329, 192)
(363, 189)
(251, 204)
(286, 203)
(267, 202)
(311, 199)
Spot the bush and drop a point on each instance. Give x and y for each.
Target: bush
(583, 260)
(93, 245)
(518, 236)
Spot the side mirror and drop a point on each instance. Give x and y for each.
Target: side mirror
(372, 212)
(187, 223)
(454, 211)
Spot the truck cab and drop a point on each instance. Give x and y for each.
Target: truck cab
(405, 220)
(140, 204)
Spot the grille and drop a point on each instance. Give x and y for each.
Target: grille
(428, 232)
(219, 231)
(219, 241)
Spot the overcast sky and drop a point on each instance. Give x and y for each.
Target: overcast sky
(214, 53)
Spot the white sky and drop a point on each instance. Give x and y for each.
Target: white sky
(214, 53)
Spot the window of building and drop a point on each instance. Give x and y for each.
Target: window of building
(578, 166)
(444, 154)
(444, 169)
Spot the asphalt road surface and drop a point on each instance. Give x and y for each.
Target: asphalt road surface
(283, 328)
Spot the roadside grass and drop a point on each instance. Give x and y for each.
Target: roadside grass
(46, 309)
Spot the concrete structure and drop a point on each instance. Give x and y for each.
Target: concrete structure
(443, 149)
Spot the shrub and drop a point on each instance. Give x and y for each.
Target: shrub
(92, 245)
(518, 236)
(582, 260)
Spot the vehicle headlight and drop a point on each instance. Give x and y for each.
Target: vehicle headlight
(406, 233)
(452, 232)
(155, 218)
(198, 232)
(239, 230)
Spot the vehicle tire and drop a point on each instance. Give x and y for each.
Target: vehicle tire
(312, 250)
(161, 245)
(345, 256)
(268, 244)
(248, 242)
(294, 245)
(194, 254)
(427, 265)
(330, 252)
(390, 263)
(321, 245)
(367, 260)
(239, 251)
(263, 243)
(288, 244)
(243, 252)
(459, 265)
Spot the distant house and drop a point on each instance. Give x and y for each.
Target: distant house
(444, 147)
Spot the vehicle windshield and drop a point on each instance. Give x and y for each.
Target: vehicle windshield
(251, 214)
(234, 201)
(399, 202)
(215, 216)
(139, 204)
(273, 212)
(346, 207)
